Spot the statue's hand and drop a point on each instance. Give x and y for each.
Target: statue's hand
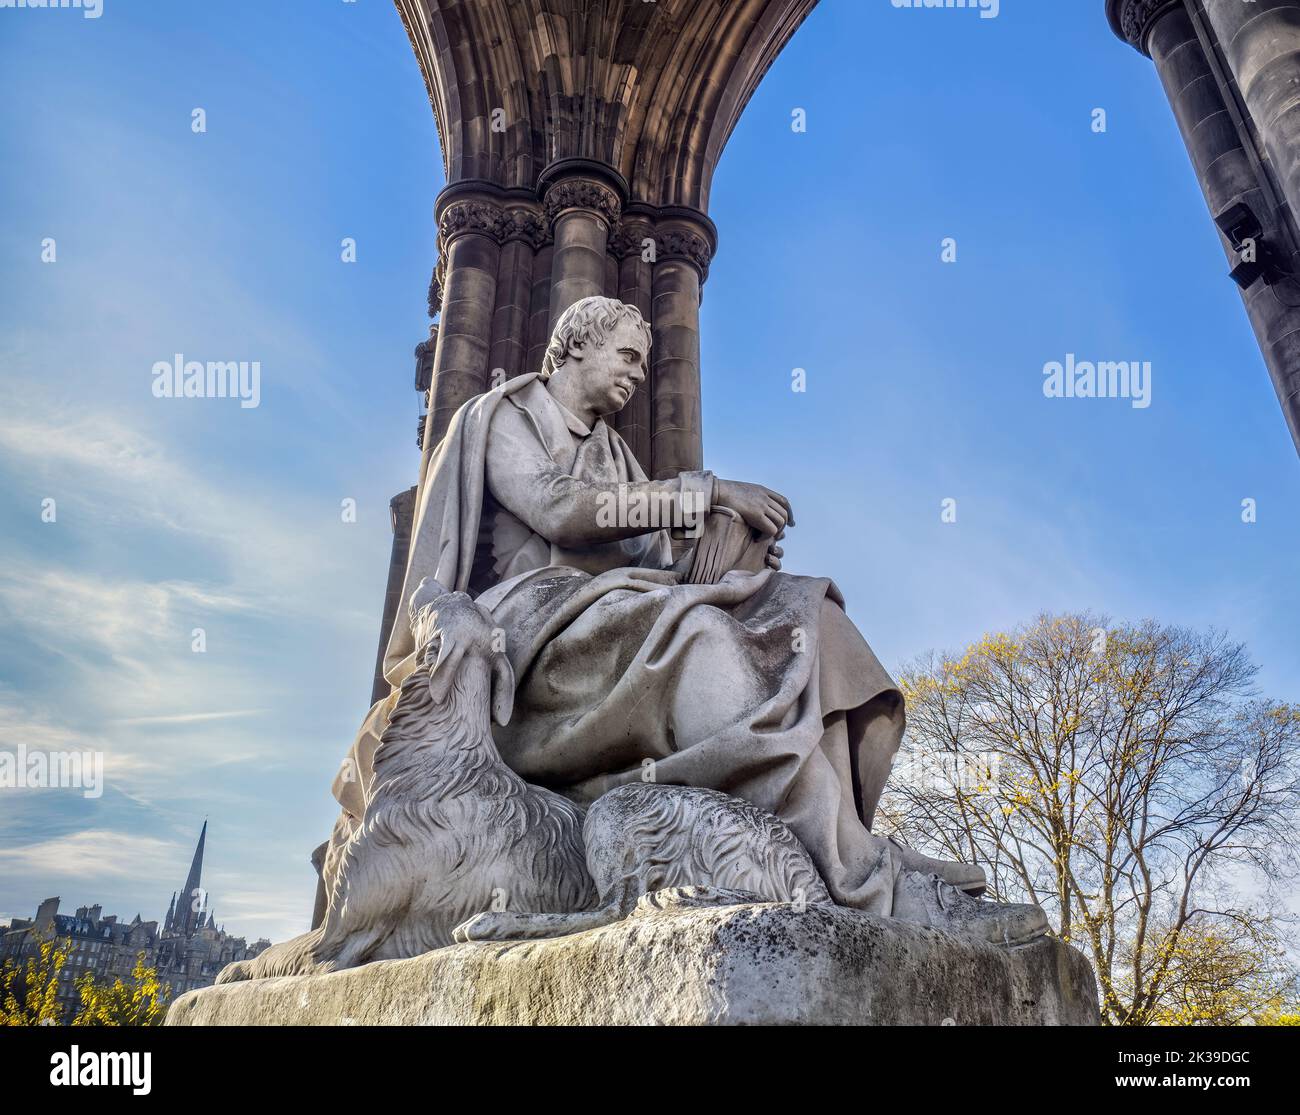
(764, 510)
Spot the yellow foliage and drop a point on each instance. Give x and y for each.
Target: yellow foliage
(142, 1002)
(29, 993)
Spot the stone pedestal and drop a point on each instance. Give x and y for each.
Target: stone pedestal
(764, 964)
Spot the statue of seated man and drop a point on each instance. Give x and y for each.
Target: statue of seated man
(757, 685)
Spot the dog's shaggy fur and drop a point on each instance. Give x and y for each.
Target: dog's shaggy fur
(644, 838)
(455, 845)
(449, 830)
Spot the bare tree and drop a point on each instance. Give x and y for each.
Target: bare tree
(1127, 779)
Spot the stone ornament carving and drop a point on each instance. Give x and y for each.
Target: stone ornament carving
(527, 225)
(504, 223)
(630, 236)
(424, 353)
(1137, 16)
(436, 281)
(471, 216)
(682, 244)
(582, 193)
(487, 218)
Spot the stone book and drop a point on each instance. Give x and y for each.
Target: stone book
(726, 542)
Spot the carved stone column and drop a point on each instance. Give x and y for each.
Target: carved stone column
(1260, 45)
(633, 246)
(580, 108)
(684, 244)
(582, 209)
(1132, 20)
(1232, 173)
(539, 315)
(469, 235)
(523, 233)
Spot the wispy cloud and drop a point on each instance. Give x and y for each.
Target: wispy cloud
(73, 614)
(191, 717)
(276, 913)
(108, 649)
(118, 655)
(111, 472)
(123, 766)
(93, 853)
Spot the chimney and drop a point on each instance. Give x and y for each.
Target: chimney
(45, 914)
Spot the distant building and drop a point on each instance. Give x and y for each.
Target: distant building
(188, 951)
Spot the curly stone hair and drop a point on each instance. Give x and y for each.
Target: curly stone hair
(587, 322)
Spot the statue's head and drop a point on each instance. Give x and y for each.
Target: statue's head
(604, 345)
(460, 648)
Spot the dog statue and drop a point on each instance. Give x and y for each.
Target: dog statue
(455, 846)
(644, 839)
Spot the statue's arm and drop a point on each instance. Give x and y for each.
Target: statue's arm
(573, 512)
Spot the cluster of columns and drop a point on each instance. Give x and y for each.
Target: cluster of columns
(1231, 70)
(510, 261)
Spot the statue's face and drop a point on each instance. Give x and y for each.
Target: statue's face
(611, 371)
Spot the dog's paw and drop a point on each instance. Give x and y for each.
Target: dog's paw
(510, 926)
(478, 928)
(692, 898)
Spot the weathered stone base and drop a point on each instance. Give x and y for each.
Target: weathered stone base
(756, 964)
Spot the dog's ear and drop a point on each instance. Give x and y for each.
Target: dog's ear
(443, 673)
(503, 689)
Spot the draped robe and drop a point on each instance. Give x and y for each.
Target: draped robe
(758, 686)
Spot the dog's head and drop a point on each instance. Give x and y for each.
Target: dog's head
(453, 634)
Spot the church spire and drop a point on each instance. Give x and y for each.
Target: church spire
(187, 917)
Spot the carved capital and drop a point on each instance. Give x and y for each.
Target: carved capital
(1131, 20)
(527, 225)
(471, 216)
(630, 236)
(459, 218)
(582, 193)
(680, 243)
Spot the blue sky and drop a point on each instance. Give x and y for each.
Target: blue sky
(924, 384)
